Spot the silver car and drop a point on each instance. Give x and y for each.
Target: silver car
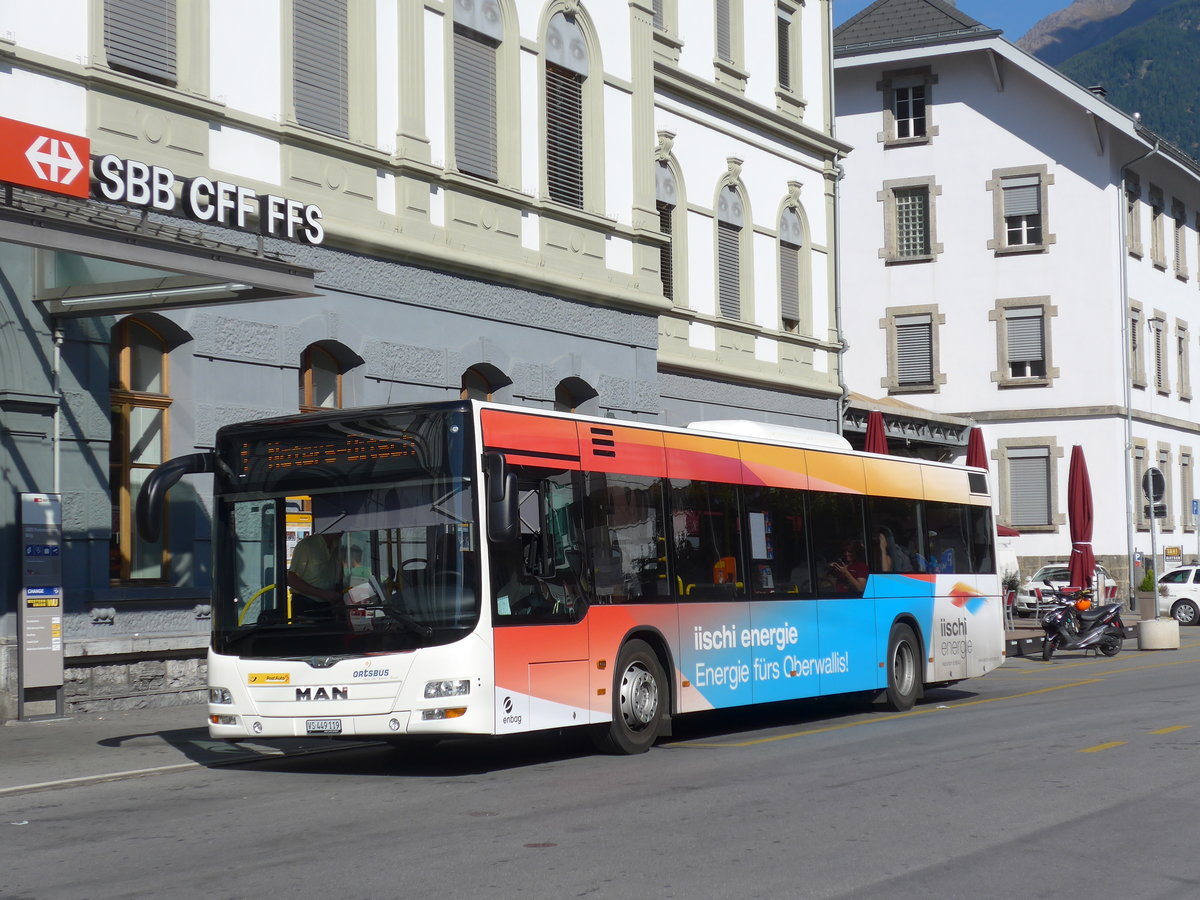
(1026, 604)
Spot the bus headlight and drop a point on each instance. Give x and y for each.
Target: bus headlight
(459, 688)
(219, 695)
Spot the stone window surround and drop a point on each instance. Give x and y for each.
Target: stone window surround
(1133, 214)
(508, 59)
(999, 315)
(731, 73)
(593, 108)
(895, 78)
(1140, 458)
(679, 218)
(1158, 211)
(999, 241)
(890, 382)
(732, 179)
(1163, 461)
(1137, 361)
(1179, 254)
(889, 251)
(1183, 361)
(1158, 333)
(1003, 446)
(790, 100)
(1187, 487)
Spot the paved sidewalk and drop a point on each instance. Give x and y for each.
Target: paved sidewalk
(99, 746)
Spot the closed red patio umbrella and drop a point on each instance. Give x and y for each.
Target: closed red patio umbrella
(876, 440)
(976, 452)
(1079, 512)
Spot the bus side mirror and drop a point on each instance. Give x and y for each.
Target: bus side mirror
(154, 491)
(503, 523)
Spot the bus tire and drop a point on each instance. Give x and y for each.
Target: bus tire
(639, 694)
(903, 668)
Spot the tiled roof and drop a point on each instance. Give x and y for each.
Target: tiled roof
(906, 22)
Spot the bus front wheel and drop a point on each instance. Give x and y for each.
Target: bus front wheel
(903, 668)
(639, 694)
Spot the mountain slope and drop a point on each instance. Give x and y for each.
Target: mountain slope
(1151, 67)
(1081, 25)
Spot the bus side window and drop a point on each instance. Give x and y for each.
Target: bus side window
(624, 537)
(778, 542)
(836, 523)
(895, 537)
(706, 541)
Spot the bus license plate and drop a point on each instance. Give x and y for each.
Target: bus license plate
(323, 726)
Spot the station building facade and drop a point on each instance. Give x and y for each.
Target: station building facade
(625, 209)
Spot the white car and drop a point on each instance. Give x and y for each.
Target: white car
(1179, 595)
(1026, 602)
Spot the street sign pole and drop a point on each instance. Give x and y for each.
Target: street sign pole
(1154, 486)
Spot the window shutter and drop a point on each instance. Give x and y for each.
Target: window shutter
(139, 37)
(659, 21)
(789, 284)
(914, 349)
(320, 67)
(474, 104)
(1029, 486)
(1022, 195)
(783, 48)
(1025, 340)
(1159, 362)
(723, 29)
(729, 274)
(564, 135)
(666, 253)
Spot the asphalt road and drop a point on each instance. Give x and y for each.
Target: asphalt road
(1074, 778)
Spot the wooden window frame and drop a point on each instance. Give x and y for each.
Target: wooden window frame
(122, 401)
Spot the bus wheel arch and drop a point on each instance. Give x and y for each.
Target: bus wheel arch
(905, 664)
(641, 698)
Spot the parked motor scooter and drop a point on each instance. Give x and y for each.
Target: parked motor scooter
(1075, 624)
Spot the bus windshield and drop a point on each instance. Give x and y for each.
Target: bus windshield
(346, 539)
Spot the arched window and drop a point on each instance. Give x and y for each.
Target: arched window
(320, 380)
(140, 403)
(667, 202)
(730, 221)
(791, 241)
(566, 72)
(478, 33)
(573, 394)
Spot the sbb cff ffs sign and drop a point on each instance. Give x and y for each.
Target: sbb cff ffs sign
(42, 158)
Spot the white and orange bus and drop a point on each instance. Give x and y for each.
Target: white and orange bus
(490, 570)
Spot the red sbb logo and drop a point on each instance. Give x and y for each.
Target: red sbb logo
(42, 158)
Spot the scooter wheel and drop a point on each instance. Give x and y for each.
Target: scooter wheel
(1110, 645)
(1047, 649)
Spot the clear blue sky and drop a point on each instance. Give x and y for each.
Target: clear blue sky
(1015, 17)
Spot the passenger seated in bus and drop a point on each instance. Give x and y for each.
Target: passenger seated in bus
(892, 557)
(850, 571)
(315, 575)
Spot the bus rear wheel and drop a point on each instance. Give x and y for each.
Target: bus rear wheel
(639, 692)
(903, 668)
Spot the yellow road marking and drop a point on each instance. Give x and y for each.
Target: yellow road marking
(1169, 729)
(1107, 746)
